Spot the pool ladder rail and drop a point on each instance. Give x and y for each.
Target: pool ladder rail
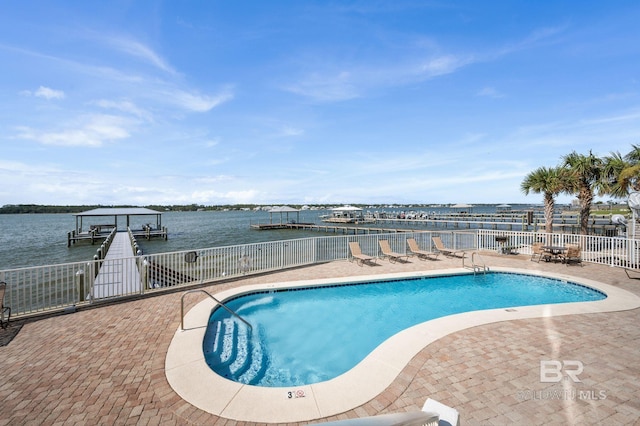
(231, 311)
(477, 267)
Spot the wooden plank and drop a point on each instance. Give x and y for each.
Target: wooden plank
(119, 272)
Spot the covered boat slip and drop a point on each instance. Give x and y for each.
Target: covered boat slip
(98, 223)
(283, 211)
(346, 214)
(118, 272)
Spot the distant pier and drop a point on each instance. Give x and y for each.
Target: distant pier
(598, 224)
(344, 229)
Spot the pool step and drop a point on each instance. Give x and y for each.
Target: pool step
(256, 366)
(232, 350)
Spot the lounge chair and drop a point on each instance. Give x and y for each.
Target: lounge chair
(631, 269)
(437, 241)
(572, 254)
(390, 254)
(537, 252)
(4, 323)
(356, 253)
(414, 248)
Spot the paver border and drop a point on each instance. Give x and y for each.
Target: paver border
(190, 376)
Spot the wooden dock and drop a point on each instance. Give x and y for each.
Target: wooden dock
(563, 223)
(118, 273)
(465, 223)
(268, 226)
(411, 225)
(330, 228)
(98, 235)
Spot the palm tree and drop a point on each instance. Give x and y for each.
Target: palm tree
(585, 176)
(547, 181)
(614, 171)
(622, 174)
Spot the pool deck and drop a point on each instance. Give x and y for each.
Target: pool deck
(107, 365)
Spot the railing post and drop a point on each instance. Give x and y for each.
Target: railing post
(144, 273)
(139, 266)
(92, 267)
(96, 264)
(80, 284)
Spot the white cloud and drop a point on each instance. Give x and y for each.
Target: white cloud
(47, 93)
(217, 161)
(231, 197)
(95, 131)
(346, 85)
(139, 50)
(125, 106)
(288, 131)
(197, 102)
(44, 92)
(535, 38)
(445, 64)
(326, 88)
(490, 92)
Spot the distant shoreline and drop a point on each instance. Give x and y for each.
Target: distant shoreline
(47, 208)
(70, 209)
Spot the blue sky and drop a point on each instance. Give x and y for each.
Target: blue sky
(270, 102)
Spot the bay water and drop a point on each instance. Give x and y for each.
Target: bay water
(41, 239)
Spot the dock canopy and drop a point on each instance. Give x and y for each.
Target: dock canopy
(347, 209)
(115, 212)
(281, 210)
(462, 208)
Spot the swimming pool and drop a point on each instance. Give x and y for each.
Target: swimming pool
(308, 335)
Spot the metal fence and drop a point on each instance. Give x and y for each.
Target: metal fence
(612, 251)
(65, 286)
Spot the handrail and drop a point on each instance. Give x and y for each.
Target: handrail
(231, 311)
(474, 266)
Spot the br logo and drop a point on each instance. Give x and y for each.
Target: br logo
(553, 371)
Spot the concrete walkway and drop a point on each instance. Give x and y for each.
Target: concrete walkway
(106, 365)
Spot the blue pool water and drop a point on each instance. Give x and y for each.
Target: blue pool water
(310, 335)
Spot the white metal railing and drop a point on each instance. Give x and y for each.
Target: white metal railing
(612, 251)
(55, 287)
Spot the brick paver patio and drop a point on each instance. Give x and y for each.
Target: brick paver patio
(106, 365)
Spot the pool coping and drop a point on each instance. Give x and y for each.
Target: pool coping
(190, 376)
